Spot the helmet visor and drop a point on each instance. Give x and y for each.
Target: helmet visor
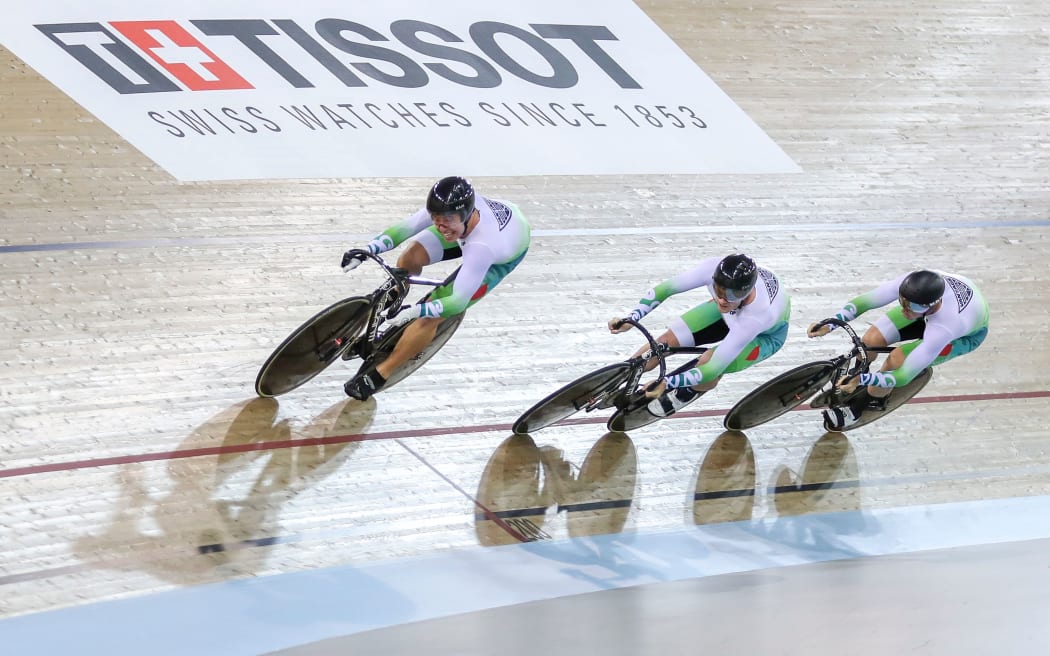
(917, 308)
(731, 295)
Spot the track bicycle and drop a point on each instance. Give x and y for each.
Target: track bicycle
(614, 385)
(818, 381)
(355, 327)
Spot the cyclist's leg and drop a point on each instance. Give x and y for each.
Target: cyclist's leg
(414, 258)
(668, 337)
(413, 340)
(429, 246)
(954, 349)
(761, 347)
(421, 332)
(702, 324)
(875, 397)
(892, 328)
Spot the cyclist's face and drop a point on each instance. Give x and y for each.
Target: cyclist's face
(450, 226)
(723, 302)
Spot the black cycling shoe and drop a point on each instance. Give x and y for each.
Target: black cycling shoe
(363, 386)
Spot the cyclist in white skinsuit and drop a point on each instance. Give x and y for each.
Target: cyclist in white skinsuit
(944, 313)
(491, 236)
(747, 316)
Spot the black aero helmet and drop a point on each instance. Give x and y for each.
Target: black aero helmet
(451, 195)
(736, 274)
(921, 289)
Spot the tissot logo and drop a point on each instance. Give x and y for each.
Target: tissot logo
(391, 88)
(181, 55)
(424, 51)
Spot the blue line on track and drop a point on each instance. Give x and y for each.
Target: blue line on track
(182, 242)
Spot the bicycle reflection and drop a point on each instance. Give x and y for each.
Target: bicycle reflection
(207, 514)
(523, 481)
(726, 483)
(829, 480)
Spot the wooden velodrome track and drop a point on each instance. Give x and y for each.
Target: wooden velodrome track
(135, 312)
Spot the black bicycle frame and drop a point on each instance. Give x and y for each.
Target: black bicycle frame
(391, 294)
(859, 351)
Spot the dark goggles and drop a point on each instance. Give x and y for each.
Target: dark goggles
(731, 295)
(917, 308)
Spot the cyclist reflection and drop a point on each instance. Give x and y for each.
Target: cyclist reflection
(523, 481)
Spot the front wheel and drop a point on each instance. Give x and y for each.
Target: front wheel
(312, 346)
(588, 391)
(779, 395)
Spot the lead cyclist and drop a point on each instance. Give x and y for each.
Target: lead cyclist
(492, 237)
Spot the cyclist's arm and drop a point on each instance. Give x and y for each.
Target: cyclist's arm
(398, 233)
(698, 276)
(477, 259)
(725, 353)
(934, 340)
(884, 294)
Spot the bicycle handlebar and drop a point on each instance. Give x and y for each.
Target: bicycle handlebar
(858, 344)
(654, 346)
(400, 276)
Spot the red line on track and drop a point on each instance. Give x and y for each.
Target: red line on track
(423, 432)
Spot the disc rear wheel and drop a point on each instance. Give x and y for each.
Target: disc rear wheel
(898, 397)
(388, 341)
(636, 414)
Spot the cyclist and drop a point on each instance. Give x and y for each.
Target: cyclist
(491, 236)
(943, 326)
(747, 317)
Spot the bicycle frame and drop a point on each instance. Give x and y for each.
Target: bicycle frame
(350, 328)
(612, 385)
(858, 353)
(389, 296)
(815, 381)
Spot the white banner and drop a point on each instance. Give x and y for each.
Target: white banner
(318, 89)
